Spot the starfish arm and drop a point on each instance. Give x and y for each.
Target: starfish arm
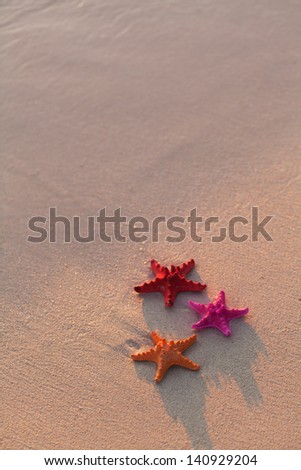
(200, 308)
(221, 297)
(151, 286)
(149, 355)
(190, 286)
(184, 344)
(223, 326)
(156, 338)
(185, 268)
(169, 295)
(162, 368)
(236, 312)
(187, 363)
(157, 268)
(199, 325)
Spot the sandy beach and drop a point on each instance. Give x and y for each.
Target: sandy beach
(155, 107)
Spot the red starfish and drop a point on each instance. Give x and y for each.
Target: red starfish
(170, 281)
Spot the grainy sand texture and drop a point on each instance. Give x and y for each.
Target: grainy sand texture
(156, 107)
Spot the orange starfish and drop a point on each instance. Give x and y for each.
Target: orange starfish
(167, 354)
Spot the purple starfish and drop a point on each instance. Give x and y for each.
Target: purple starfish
(216, 314)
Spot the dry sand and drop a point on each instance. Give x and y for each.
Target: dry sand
(156, 107)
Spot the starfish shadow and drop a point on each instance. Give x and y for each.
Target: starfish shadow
(236, 358)
(183, 393)
(221, 358)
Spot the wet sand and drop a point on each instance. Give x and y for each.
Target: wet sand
(158, 108)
